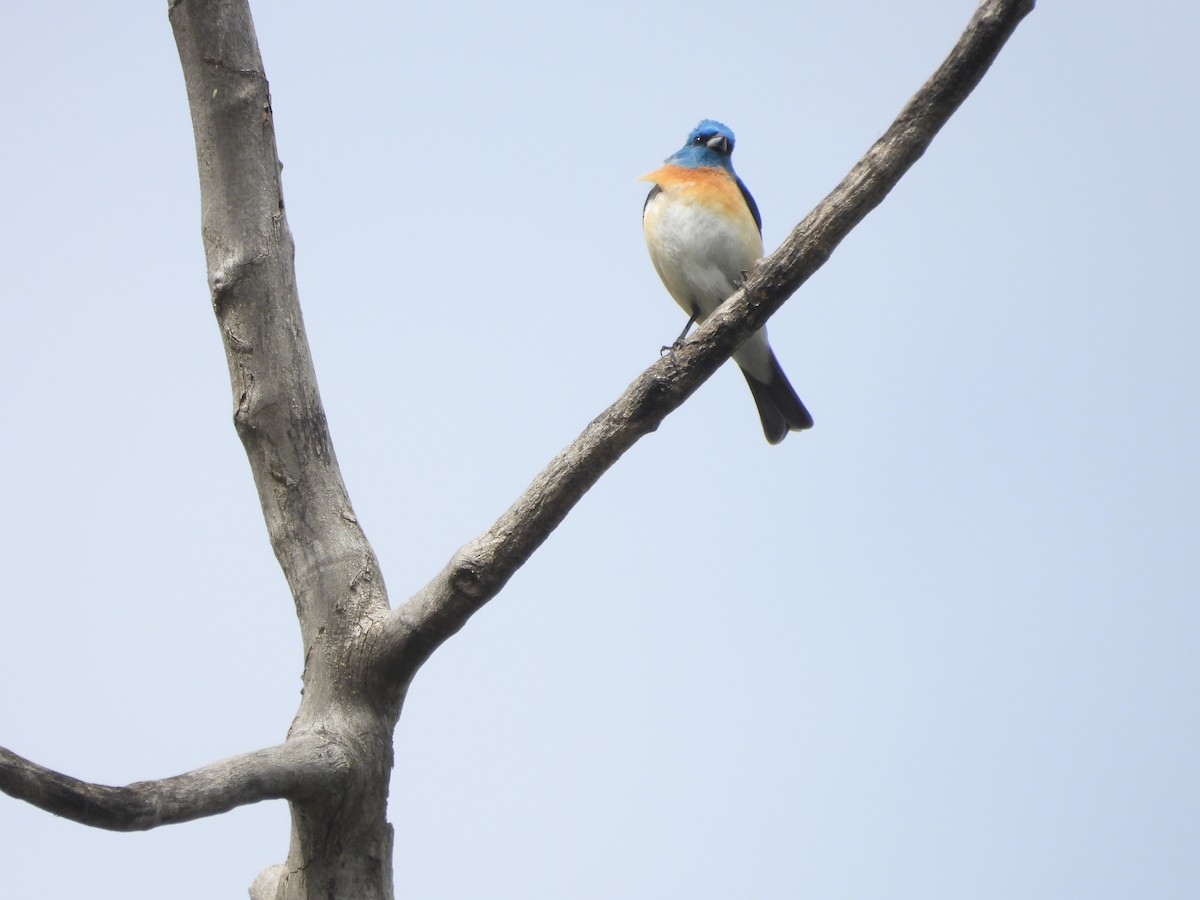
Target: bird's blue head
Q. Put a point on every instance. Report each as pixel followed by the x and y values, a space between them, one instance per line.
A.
pixel 709 144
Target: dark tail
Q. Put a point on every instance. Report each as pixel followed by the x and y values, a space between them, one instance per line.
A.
pixel 779 408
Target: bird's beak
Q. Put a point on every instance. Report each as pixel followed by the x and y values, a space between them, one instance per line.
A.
pixel 719 143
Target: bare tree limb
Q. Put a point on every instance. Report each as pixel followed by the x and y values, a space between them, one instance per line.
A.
pixel 480 568
pixel 330 567
pixel 341 842
pixel 292 770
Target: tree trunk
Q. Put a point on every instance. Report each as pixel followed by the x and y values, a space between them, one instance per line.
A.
pixel 341 840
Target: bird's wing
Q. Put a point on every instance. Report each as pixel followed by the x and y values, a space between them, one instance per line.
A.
pixel 750 203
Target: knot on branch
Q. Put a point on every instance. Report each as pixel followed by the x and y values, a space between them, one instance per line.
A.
pixel 467 575
pixel 229 274
pixel 267 883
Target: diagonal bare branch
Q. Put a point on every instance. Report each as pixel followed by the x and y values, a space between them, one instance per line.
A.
pixel 481 568
pixel 298 768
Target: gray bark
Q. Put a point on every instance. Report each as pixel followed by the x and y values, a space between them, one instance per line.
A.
pixel 302 767
pixel 359 654
pixel 341 840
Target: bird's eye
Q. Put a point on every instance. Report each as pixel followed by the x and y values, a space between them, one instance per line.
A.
pixel 698 140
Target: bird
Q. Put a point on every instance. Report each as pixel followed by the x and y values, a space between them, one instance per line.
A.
pixel 704 233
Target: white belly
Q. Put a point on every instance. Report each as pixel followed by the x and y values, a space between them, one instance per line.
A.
pixel 699 255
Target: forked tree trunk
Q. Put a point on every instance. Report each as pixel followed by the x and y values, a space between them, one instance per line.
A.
pixel 359 654
pixel 341 843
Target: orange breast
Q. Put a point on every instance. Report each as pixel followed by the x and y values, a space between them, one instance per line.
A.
pixel 709 186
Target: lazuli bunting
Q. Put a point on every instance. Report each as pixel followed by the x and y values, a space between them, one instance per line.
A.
pixel 704 233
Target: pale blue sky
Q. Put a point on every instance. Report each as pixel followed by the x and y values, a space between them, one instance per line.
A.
pixel 945 645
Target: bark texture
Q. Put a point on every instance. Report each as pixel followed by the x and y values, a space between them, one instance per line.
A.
pixel 341 841
pixel 359 654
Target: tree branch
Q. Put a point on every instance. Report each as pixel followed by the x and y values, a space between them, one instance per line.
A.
pixel 329 565
pixel 341 842
pixel 481 568
pixel 293 770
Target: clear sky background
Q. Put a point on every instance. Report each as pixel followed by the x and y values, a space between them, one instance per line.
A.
pixel 945 645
